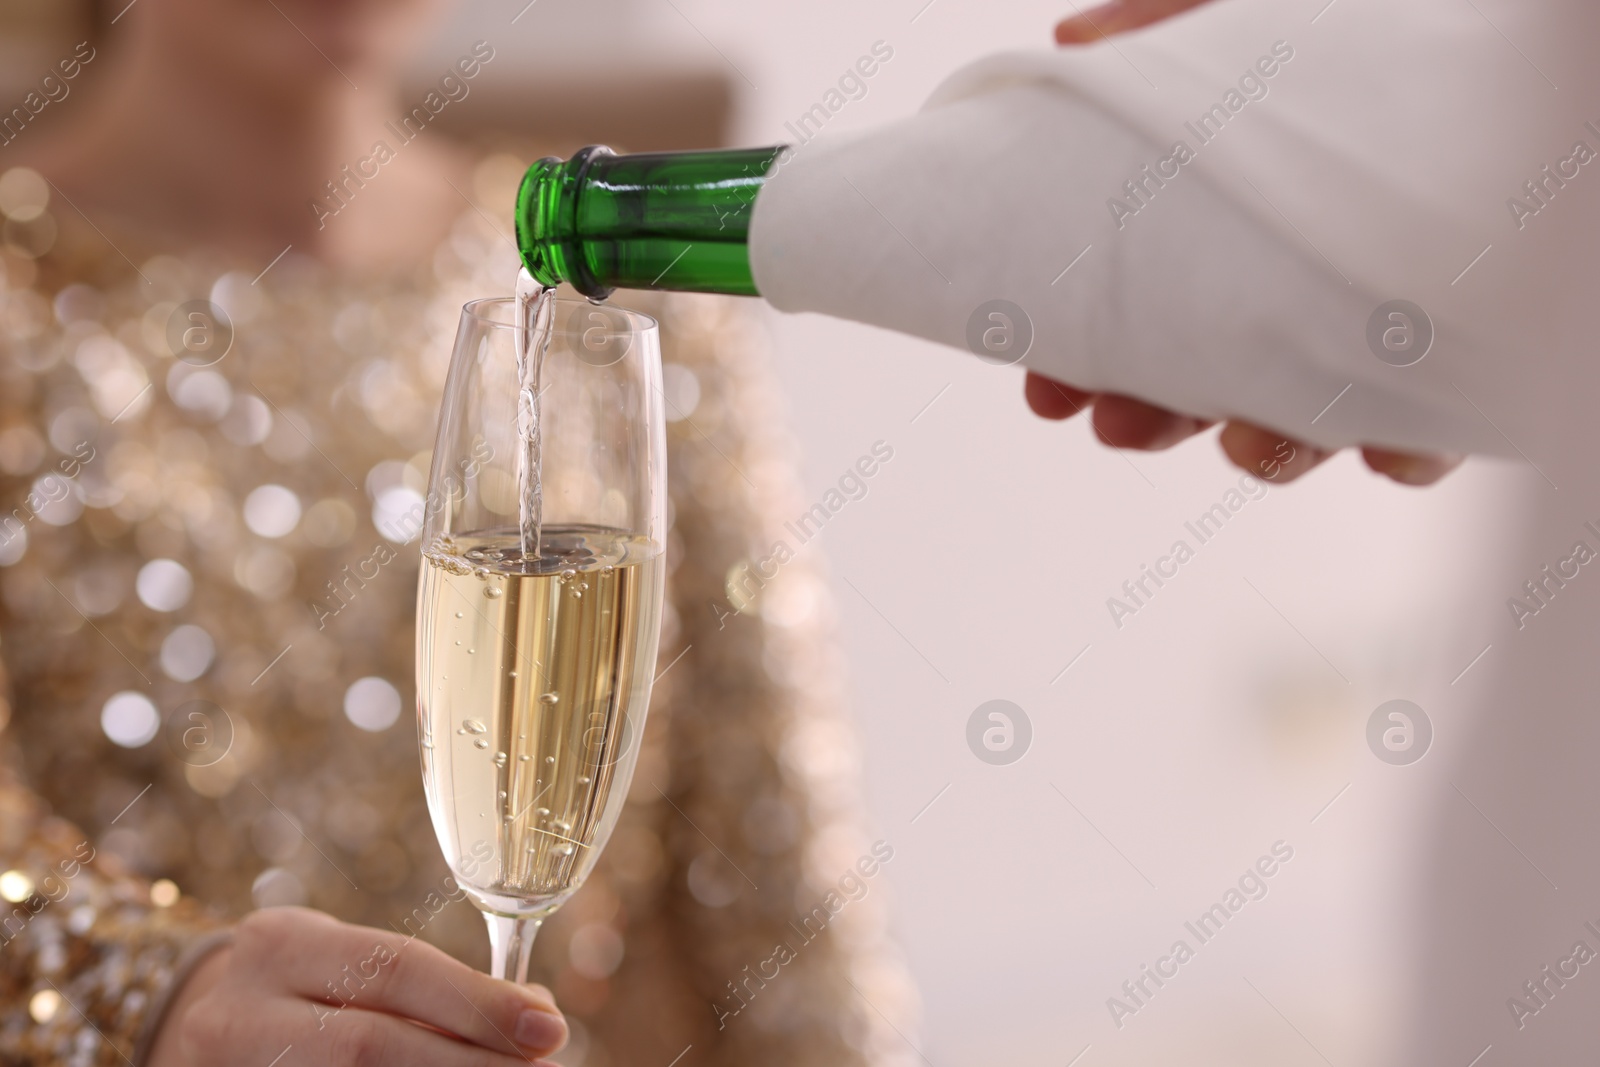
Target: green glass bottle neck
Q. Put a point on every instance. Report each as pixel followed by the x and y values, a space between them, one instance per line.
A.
pixel 661 220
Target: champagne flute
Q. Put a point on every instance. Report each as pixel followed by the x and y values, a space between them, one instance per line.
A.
pixel 534 670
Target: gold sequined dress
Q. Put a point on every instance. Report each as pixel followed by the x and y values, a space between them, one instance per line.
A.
pixel 202 714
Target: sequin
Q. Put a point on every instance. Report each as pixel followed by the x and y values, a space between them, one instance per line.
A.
pixel 129 719
pixel 595 951
pixel 203 393
pixel 15 886
pixel 712 880
pixel 681 387
pixel 372 704
pixel 271 510
pixel 248 420
pixel 13 542
pixel 72 426
pixel 98 589
pixel 164 585
pixel 55 500
pixel 397 514
pixel 187 653
pixel 43 1005
pixel 24 194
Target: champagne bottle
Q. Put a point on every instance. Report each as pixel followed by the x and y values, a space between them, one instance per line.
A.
pixel 660 220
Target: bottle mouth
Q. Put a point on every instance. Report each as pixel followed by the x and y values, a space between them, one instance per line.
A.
pixel 546 222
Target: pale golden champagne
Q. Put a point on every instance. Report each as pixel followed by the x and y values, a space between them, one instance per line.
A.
pixel 533 679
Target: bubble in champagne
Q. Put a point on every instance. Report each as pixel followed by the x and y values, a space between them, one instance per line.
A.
pixel 583 779
pixel 541 811
pixel 481 743
pixel 550 698
pixel 492 591
pixel 458 614
pixel 500 759
pixel 549 759
pixel 523 758
pixel 473 726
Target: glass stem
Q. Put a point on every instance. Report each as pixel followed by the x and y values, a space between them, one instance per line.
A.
pixel 510 941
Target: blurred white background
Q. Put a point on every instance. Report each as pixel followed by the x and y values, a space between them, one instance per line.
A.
pixel 1222 718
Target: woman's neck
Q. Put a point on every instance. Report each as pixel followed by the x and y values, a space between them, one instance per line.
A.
pixel 178 159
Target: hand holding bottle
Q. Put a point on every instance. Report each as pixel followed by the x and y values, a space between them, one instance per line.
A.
pixel 342 994
pixel 724 222
pixel 1124 422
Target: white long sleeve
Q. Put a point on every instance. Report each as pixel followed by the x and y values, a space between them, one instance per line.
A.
pixel 1375 163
